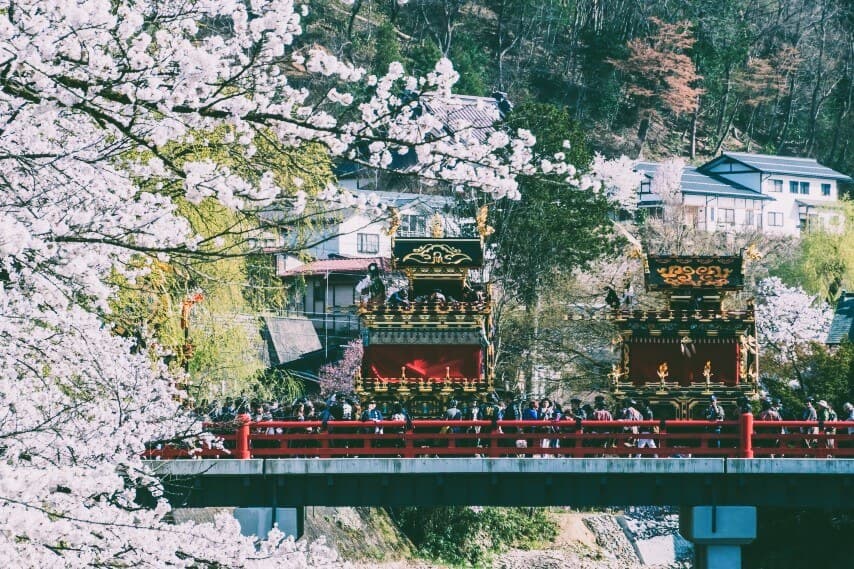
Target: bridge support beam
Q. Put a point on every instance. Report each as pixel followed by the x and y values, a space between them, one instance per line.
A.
pixel 718 532
pixel 259 521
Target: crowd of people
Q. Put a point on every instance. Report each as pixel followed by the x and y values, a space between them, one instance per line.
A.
pixel 574 417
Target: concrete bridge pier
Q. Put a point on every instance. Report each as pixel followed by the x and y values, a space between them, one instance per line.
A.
pixel 718 532
pixel 259 521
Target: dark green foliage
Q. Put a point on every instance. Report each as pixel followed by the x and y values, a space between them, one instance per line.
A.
pixel 792 539
pixel 423 57
pixel 823 374
pixel 467 536
pixel 554 228
pixel 830 375
pixel 471 60
pixel 387 48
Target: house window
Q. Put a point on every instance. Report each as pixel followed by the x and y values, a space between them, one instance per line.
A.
pixel 727 216
pixel 793 187
pixel 805 188
pixel 778 186
pixel 711 214
pixel 775 219
pixel 825 190
pixel 646 187
pixel 413 225
pixel 367 243
pixel 748 217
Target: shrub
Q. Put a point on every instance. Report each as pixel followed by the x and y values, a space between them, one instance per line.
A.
pixel 470 536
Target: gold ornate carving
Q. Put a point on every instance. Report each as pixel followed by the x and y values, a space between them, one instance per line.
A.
pixel 686 275
pixel 436 254
pixel 707 374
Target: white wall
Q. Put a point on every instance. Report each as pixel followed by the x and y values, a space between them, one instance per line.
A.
pixel 785 202
pixel 713 207
pixel 361 223
pixel 750 180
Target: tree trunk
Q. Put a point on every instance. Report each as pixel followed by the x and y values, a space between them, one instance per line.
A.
pixel 724 104
pixel 726 130
pixel 814 101
pixel 693 150
pixel 789 108
pixel 533 310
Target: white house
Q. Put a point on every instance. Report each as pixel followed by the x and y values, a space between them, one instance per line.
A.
pixel 341 259
pixel 778 195
pixel 710 203
pixel 360 234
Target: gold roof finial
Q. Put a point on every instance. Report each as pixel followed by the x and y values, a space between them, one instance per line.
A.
pixel 483 228
pixel 437 226
pixel 393 221
pixel 752 252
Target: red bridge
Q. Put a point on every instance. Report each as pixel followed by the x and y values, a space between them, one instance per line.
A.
pixel 745 438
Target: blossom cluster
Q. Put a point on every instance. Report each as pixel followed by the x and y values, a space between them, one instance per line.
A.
pixel 788 318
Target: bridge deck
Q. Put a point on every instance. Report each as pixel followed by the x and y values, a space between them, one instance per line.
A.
pixel 802 483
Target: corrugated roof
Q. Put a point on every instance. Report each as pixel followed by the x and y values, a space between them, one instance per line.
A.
pixel 697 183
pixel 290 338
pixel 354 265
pixel 807 167
pixel 842 325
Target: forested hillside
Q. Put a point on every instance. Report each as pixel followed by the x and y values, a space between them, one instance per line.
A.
pixel 668 77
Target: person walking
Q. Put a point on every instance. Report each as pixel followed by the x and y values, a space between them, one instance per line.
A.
pixel 714 412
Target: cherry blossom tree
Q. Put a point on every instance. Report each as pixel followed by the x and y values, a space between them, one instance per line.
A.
pixel 620 181
pixel 93 95
pixel 339 376
pixel 788 319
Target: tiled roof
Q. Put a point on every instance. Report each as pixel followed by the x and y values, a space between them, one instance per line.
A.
pixel 403 199
pixel 466 112
pixel 842 325
pixel 290 338
pixel 697 183
pixel 353 265
pixel 807 167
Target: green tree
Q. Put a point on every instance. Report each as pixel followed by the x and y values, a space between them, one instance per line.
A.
pixel 553 229
pixel 216 339
pixel 387 48
pixel 823 262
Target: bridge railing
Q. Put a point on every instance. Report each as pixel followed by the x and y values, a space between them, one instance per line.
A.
pixel 744 438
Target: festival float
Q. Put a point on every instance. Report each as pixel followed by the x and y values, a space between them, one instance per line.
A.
pixel 677 356
pixel 431 341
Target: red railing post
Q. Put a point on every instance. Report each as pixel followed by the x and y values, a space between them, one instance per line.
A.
pixel 241 449
pixel 745 430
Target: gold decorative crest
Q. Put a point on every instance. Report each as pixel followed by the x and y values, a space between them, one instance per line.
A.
pixel 685 275
pixel 437 254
